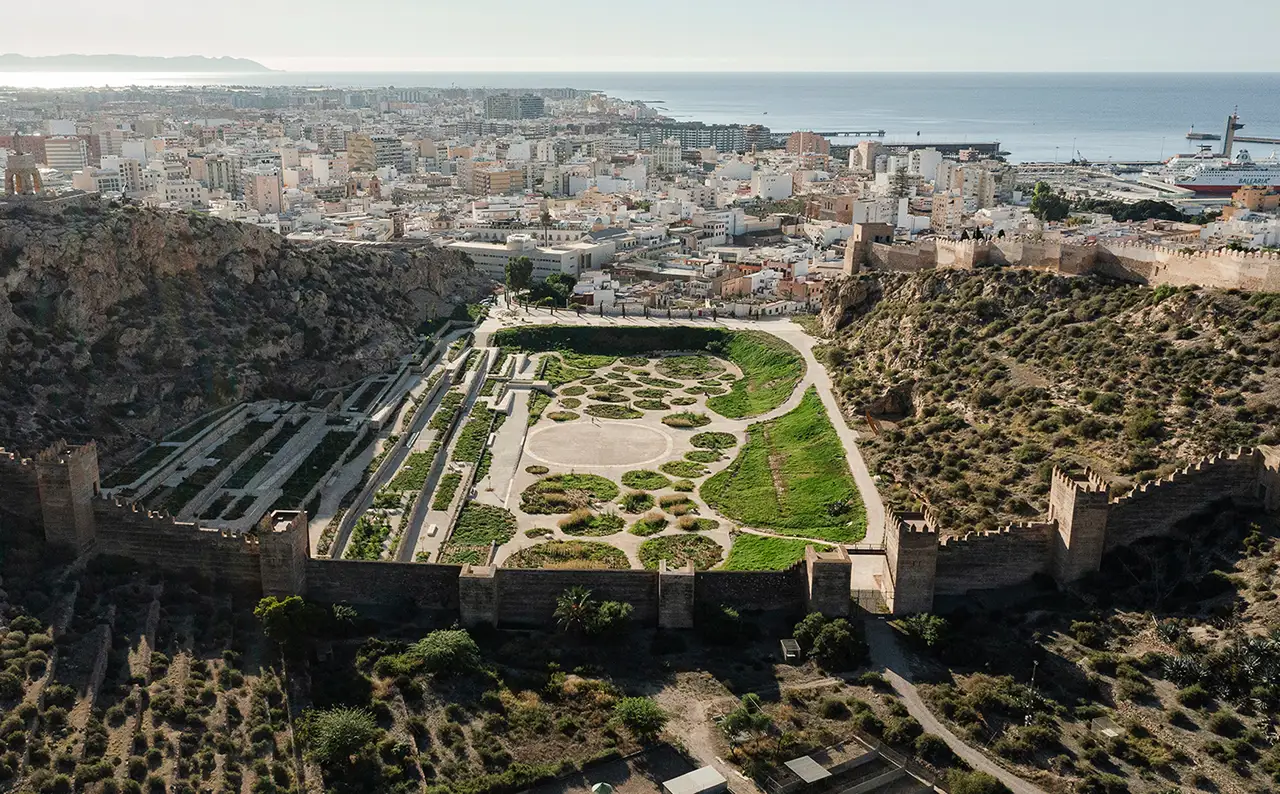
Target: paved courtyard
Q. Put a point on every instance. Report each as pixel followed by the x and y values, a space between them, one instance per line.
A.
pixel 599 443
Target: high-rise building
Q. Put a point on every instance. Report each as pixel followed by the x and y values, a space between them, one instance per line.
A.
pixel 510 106
pixel 261 186
pixel 368 152
pixel 66 153
pixel 807 142
pixel 948 211
pixel 978 186
pixel 531 106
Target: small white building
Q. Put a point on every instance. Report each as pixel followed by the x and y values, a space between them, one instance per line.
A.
pixel 771 187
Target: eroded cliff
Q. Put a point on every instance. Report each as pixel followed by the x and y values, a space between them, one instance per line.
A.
pixel 124 321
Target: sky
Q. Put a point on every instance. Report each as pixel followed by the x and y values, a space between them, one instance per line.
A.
pixel 670 35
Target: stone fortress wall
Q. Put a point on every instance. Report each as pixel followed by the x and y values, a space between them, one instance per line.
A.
pixel 1143 263
pixel 59 490
pixel 1084 522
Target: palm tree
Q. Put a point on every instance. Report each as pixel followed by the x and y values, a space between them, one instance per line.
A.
pixel 574 609
pixel 545 220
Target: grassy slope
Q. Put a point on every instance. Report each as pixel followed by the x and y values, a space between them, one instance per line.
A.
pixel 813 473
pixel 760 553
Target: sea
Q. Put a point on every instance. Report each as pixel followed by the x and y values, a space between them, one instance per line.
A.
pixel 1042 117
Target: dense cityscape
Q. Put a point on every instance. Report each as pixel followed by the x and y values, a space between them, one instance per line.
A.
pixel 680 213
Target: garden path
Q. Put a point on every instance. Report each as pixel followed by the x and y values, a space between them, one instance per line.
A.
pixel 887 654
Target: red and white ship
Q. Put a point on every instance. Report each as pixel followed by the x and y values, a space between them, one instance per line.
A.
pixel 1205 173
pixel 1223 176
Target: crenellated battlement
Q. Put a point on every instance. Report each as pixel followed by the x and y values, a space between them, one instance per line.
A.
pixel 931 520
pixel 1132 260
pixel 1245 455
pixel 1088 482
pixel 1083 522
pixel 920 563
pixel 62 453
pixel 1015 530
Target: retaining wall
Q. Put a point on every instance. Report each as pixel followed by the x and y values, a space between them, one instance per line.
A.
pixel 428 587
pixel 752 590
pixel 528 597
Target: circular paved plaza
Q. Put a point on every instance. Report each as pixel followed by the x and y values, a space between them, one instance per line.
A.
pixel 601 442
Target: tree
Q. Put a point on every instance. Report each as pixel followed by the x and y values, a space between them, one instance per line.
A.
pixel 643 717
pixel 544 220
pixel 961 782
pixel 749 718
pixel 924 629
pixel 1048 205
pixel 448 651
pixel 837 647
pixel 577 612
pixel 338 735
pixel 519 274
pixel 574 609
pixel 289 621
pixel 900 183
pixel 806 631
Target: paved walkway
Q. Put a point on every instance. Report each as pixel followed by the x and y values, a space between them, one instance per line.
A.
pixel 886 653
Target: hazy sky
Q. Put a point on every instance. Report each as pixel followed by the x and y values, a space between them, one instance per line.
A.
pixel 669 35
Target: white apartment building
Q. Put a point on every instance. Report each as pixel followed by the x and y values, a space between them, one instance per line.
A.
pixel 925 162
pixel 978 187
pixel 668 156
pixel 183 192
pixel 130 172
pixel 66 154
pixel 572 258
pixel 771 187
pixel 947 176
pixel 98 180
pixel 111 143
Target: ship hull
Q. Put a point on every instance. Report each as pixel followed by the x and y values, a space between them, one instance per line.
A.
pixel 1218 190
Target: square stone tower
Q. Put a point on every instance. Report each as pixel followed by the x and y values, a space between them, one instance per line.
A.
pixel 830 575
pixel 68 481
pixel 283 549
pixel 1080 506
pixel 910 562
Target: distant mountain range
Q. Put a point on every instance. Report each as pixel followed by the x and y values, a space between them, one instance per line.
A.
pixel 127 63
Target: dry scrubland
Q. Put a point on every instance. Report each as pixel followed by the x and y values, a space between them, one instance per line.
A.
pixel 1174 646
pixel 982 382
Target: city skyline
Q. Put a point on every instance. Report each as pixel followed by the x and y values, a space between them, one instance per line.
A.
pixel 723 36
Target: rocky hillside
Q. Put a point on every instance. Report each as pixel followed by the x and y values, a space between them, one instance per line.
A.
pixel 115 322
pixel 981 382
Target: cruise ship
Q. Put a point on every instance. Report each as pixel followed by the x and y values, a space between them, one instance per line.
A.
pixel 1219 175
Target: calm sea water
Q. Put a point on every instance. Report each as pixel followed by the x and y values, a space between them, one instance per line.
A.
pixel 1035 116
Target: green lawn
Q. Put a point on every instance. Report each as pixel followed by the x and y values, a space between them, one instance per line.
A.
pixel 771 368
pixel 760 553
pixel 413 474
pixel 480 523
pixel 813 479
